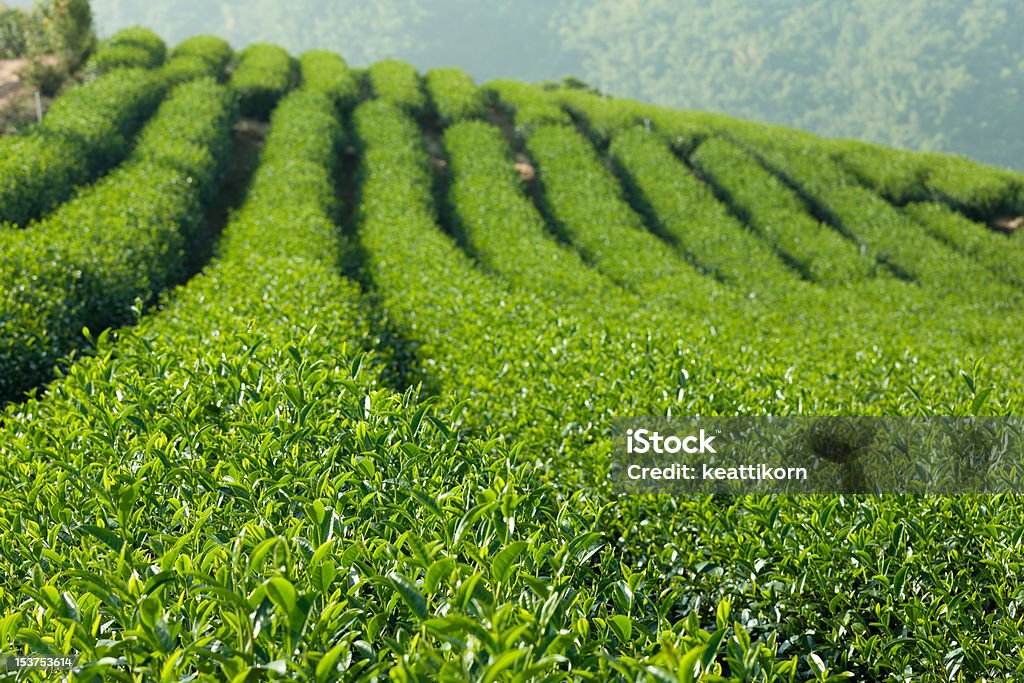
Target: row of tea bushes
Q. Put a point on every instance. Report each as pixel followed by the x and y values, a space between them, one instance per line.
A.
pixel 687 214
pixel 1002 255
pixel 216 52
pixel 123 240
pixel 499 353
pixel 273 325
pixel 878 227
pixel 530 108
pixel 779 215
pixel 502 224
pixel 326 72
pixel 197 57
pixel 87 131
pixel 398 83
pixel 90 129
pixel 265 73
pixel 978 191
pixel 134 47
pixel 454 95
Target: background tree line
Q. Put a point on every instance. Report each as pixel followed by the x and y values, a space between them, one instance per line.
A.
pixel 55 35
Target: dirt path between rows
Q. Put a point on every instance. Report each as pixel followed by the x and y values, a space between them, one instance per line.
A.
pixel 10 83
pixel 17 106
pixel 1008 224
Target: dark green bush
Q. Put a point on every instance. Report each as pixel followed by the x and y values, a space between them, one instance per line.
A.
pixel 213 50
pixel 131 47
pixel 125 238
pixel 62 28
pixel 779 215
pixel 14 25
pixel 192 134
pixel 454 95
pixel 689 215
pixel 264 75
pixel 69 26
pixel 531 106
pixel 197 57
pixel 398 82
pixel 85 132
pixel 326 72
pixel 45 77
pixel 184 69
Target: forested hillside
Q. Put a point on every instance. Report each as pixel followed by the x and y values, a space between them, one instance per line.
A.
pixel 924 74
pixel 934 74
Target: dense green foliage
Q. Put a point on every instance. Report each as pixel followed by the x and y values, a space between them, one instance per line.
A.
pixel 134 47
pixel 326 72
pixel 687 213
pixel 265 73
pixel 91 128
pixel 211 49
pixel 122 240
pixel 899 176
pixel 13 28
pixel 454 95
pixel 63 28
pixel 372 441
pixel 778 214
pixel 398 83
pixel 878 227
pixel 68 31
pixel 186 68
pixel 86 131
pixel 257 305
pixel 529 110
pixel 191 136
pixel 547 374
pixel 1003 257
pixel 903 177
pixel 502 225
pixel 197 57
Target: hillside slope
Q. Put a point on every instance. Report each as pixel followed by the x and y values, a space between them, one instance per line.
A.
pixel 928 74
pixel 367 434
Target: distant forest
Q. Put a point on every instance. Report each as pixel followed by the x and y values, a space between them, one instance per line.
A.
pixel 922 74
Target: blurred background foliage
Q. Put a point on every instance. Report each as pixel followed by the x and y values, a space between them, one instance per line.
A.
pixel 56 36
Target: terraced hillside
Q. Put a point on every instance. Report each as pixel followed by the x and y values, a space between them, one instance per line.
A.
pixel 310 374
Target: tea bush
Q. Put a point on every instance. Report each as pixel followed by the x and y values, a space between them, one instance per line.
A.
pixel 213 50
pixel 86 131
pixel 125 238
pixel 327 72
pixel 454 95
pixel 779 215
pixel 134 47
pixel 265 73
pixel 397 82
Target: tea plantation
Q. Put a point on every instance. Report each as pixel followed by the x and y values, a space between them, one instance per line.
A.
pixel 369 437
